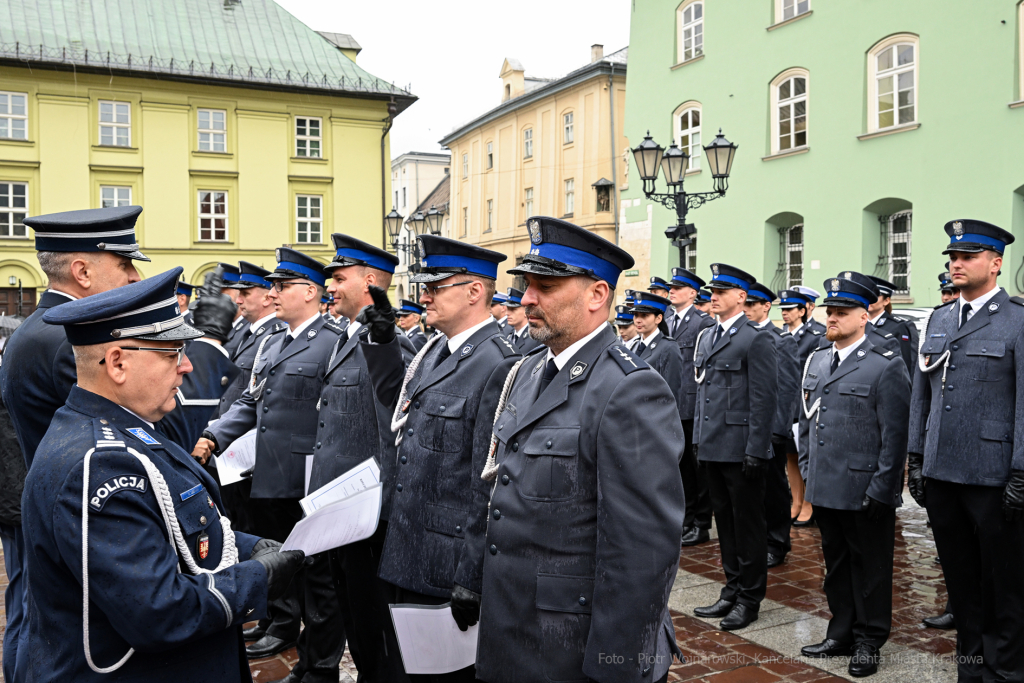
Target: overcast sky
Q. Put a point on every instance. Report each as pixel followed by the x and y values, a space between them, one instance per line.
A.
pixel 450 51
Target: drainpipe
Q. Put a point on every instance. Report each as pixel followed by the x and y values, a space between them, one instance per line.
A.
pixel 392 111
pixel 615 174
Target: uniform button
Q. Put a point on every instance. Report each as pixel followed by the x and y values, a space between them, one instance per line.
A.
pixel 202 520
pixel 726 365
pixel 952 367
pixel 263 428
pixel 269 392
pixel 984 350
pixel 949 408
pixel 318 444
pixel 515 447
pixel 266 409
pixel 399 487
pixel 505 480
pixel 416 405
pixel 442 409
pixel 821 443
pixel 344 378
pixel 272 373
pixel 547 445
pixel 493 549
pixel 583 600
pixel 824 409
pixel 496 514
pixel 501 427
pixel 707 400
pixel 821 426
pixel 646 671
pixel 321 423
pixel 955 347
pixel 299 370
pixel 325 402
pixel 408 432
pixel 458 529
pixel 403 459
pixel 706 418
pixel 826 391
pixel 949 387
pixel 223 381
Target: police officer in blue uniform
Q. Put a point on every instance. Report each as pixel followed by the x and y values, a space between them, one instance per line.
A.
pixel 137 574
pixel 812 296
pixel 409 314
pixel 443 412
pixel 658 286
pixel 184 293
pixel 583 536
pixel 518 328
pixel 280 403
pixel 649 318
pixel 854 412
pixel 685 321
pixel 795 313
pixel 737 372
pixel 884 335
pixel 703 301
pixel 966 462
pixel 499 311
pixel 624 327
pixel 776 492
pixel 883 319
pixel 230 275
pixel 947 289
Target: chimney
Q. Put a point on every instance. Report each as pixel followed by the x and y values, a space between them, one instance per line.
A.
pixel 596 53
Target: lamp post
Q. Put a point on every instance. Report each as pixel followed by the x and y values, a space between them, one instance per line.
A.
pixel 651 158
pixel 419 223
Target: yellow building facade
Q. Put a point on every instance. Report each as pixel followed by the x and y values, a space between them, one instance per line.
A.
pixel 552 147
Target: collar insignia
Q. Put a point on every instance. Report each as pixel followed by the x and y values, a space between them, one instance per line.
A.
pixel 835 284
pixel 260 331
pixel 958 229
pixel 466 349
pixel 732 331
pixel 577 370
pixel 310 334
pixel 993 307
pixel 142 436
pixel 860 354
pixel 535 236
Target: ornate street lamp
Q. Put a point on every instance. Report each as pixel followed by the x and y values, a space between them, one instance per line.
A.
pixel 393 222
pixel 434 219
pixel 417 223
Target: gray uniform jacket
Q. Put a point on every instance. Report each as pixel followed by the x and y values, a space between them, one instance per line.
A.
pixel 855 443
pixel 244 357
pixel 808 339
pixel 737 394
pixel 583 535
pixel 439 510
pixel 236 335
pixel 899 335
pixel 524 344
pixel 283 410
pixel 663 355
pixel 416 336
pixel 786 356
pixel 967 412
pixel 686 336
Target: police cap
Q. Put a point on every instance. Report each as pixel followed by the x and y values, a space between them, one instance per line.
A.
pixel 353 252
pixel 724 276
pixel 790 298
pixel 559 248
pixel 294 264
pixel 865 281
pixel 650 303
pixel 442 258
pixel 681 277
pixel 760 293
pixel 971 236
pixel 623 316
pixel 515 298
pixel 658 283
pixel 847 292
pixel 250 275
pixel 407 307
pixel 108 229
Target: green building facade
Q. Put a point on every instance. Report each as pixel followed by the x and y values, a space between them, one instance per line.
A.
pixel 863 127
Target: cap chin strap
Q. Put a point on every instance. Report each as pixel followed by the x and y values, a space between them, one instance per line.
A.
pixel 126 248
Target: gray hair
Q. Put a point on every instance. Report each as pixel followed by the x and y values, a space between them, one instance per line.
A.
pixel 55 265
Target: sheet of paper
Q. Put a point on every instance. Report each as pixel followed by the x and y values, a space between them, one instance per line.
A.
pixel 337 524
pixel 430 640
pixel 309 471
pixel 362 476
pixel 237 458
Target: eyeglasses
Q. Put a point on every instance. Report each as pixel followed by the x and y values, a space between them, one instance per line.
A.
pixel 432 289
pixel 279 286
pixel 180 350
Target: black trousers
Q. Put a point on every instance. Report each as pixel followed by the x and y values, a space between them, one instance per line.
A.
pixel 983 561
pixel 777 500
pixel 467 675
pixel 365 601
pixel 858 578
pixel 310 599
pixel 738 503
pixel 695 485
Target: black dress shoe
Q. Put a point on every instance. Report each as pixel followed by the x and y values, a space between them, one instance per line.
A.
pixel 719 609
pixel 944 621
pixel 864 661
pixel 808 522
pixel 775 560
pixel 290 678
pixel 741 616
pixel 254 633
pixel 267 646
pixel 695 536
pixel 827 648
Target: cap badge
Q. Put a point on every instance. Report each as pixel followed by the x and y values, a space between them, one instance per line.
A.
pixel 577 370
pixel 848 275
pixel 277 255
pixel 177 311
pixel 310 334
pixel 714 270
pixel 466 349
pixel 535 236
pixel 835 284
pixel 958 229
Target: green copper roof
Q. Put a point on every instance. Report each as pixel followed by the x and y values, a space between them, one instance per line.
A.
pixel 249 42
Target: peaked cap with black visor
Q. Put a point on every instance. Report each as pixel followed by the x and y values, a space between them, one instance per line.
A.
pixel 89 230
pixel 353 252
pixel 561 249
pixel 250 275
pixel 971 236
pixel 848 292
pixel 441 258
pixel 293 265
pixel 724 276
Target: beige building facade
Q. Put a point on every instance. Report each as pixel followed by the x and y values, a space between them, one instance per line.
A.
pixel 553 147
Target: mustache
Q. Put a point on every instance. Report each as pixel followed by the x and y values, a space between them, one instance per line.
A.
pixel 534 312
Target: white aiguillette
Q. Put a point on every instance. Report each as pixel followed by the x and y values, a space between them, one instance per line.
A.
pixel 430 640
pixel 343 511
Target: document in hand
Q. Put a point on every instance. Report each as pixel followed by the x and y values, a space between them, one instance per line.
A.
pixel 362 476
pixel 237 458
pixel 332 526
pixel 430 640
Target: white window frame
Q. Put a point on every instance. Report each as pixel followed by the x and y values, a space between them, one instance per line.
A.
pixel 490 215
pixel 114 125
pixel 889 239
pixel 874 76
pixel 119 195
pixel 211 137
pixel 528 143
pixel 304 142
pixel 528 201
pixel 790 9
pixel 692 145
pixel 568 128
pixel 212 215
pixel 787 248
pixel 490 155
pixel 465 165
pixel 689 28
pixel 777 103
pixel 465 221
pixel 8 117
pixel 314 203
pixel 570 196
pixel 8 211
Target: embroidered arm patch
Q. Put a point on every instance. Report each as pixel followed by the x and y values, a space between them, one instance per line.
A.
pixel 114 485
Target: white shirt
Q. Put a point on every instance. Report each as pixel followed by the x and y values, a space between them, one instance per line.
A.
pixel 793 332
pixel 977 304
pixel 726 325
pixel 134 413
pixel 845 353
pixel 301 328
pixel 503 321
pixel 874 321
pixel 462 337
pixel 352 328
pixel 262 321
pixel 682 314
pixel 574 348
pixel 73 298
pixel 761 325
pixel 647 339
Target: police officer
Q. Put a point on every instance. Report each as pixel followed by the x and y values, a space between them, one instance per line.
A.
pixel 796 315
pixel 624 327
pixel 230 275
pixel 777 498
pixel 409 315
pixel 583 536
pixel 184 293
pixel 685 322
pixel 883 334
pixel 966 462
pixel 658 286
pixel 812 297
pixel 518 329
pixel 703 301
pixel 737 372
pixel 853 440
pixel 280 403
pixel 443 412
pixel 947 289
pixel 106 491
pixel 666 359
pixel 881 315
pixel 633 337
pixel 499 311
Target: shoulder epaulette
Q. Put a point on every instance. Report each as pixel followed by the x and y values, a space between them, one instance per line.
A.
pixel 627 360
pixel 333 327
pixel 815 332
pixel 106 435
pixel 887 335
pixel 507 350
pixel 1015 299
pixel 886 353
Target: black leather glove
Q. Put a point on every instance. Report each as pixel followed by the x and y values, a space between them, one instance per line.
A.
pixel 207 434
pixel 280 566
pixel 1013 497
pixel 379 318
pixel 465 607
pixel 246 474
pixel 915 477
pixel 874 509
pixel 215 311
pixel 754 468
pixel 778 440
pixel 694 448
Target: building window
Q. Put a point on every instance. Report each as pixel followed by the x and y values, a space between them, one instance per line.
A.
pixel 893 70
pixel 791 257
pixel 529 202
pixel 14 115
pixel 687 133
pixel 490 215
pixel 213 216
pixel 787 9
pixel 396 204
pixel 490 155
pixel 115 124
pixel 307 137
pixel 211 130
pixel 115 196
pixel 690 255
pixel 567 126
pixel 570 196
pixel 894 260
pixel 308 218
pixel 528 143
pixel 691 31
pixel 13 207
pixel 465 165
pixel 465 221
pixel 789 92
pixel 405 197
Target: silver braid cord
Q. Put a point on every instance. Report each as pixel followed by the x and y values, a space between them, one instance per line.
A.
pixel 940 362
pixel 256 391
pixel 696 346
pixel 491 466
pixel 400 416
pixel 803 400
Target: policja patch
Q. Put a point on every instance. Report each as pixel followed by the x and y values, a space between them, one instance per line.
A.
pixel 126 482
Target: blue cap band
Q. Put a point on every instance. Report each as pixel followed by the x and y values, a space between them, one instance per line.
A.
pixel 229 277
pixel 255 279
pixel 647 303
pixel 477 266
pixel 186 290
pixel 798 302
pixel 847 295
pixel 979 239
pixel 604 270
pixel 759 295
pixel 404 309
pixel 658 285
pixel 304 270
pixel 371 260
pixel 742 284
pixel 685 281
